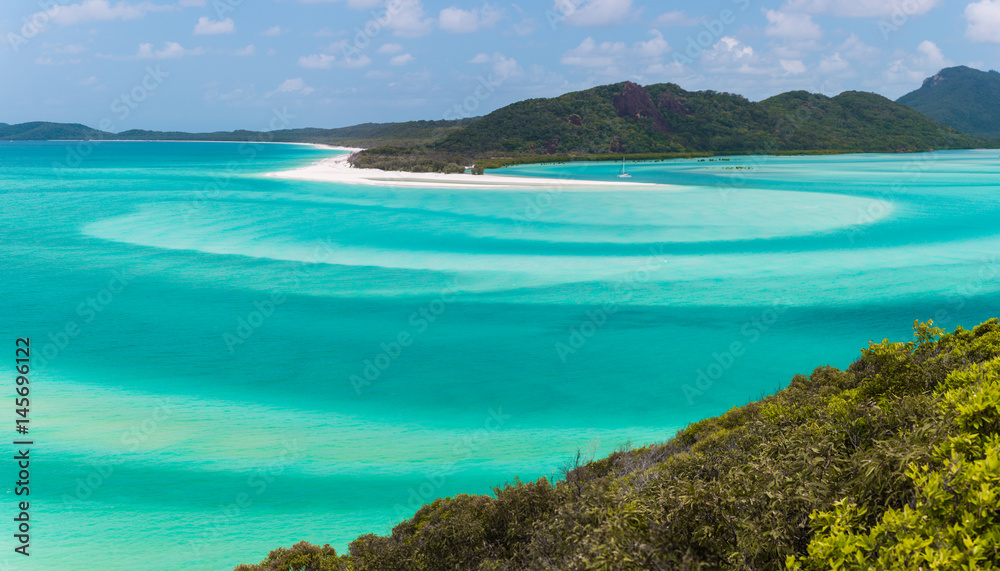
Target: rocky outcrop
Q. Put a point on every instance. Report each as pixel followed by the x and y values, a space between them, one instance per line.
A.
pixel 634 102
pixel 670 103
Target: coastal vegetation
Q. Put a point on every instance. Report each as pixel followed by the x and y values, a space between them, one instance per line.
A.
pixel 893 463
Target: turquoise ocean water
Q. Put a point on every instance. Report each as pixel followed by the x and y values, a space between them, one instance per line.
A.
pixel 224 363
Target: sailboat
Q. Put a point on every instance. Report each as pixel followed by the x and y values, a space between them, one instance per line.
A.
pixel 624 174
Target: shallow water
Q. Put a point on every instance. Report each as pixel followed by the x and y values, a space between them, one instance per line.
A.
pixel 259 361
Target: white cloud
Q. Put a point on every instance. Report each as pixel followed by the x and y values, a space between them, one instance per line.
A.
pixel 390 49
pixel 459 21
pixel 354 62
pixel 317 61
pixel 914 68
pixel 854 48
pixel 654 47
pixel 45 60
pixel 984 21
pixel 207 26
pixel 247 51
pixel 592 54
pixel 296 85
pixel 329 61
pixel 92 80
pixel 355 4
pixel 401 59
pixel 188 3
pixel 793 66
pixel 833 64
pixel 593 12
pixel 860 8
pixel 93 11
pixel 503 66
pixel 272 31
pixel 409 20
pixel 612 55
pixel 729 48
pixel 675 18
pixel 791 26
pixel 170 50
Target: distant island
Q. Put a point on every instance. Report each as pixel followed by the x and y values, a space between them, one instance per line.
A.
pixel 891 464
pixel 958 108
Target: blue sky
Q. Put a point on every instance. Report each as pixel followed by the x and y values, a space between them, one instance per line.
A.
pixel 199 65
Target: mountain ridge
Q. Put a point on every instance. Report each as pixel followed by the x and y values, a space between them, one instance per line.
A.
pixel 962 97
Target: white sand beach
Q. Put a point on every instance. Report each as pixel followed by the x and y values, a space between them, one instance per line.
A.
pixel 338 169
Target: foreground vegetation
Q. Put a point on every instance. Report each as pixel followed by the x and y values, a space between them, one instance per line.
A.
pixel 891 464
pixel 667 121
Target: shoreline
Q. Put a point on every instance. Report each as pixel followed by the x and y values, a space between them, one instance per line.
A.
pixel 316 145
pixel 338 170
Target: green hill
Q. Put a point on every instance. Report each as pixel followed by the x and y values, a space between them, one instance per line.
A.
pixel 365 135
pixel 41 131
pixel 891 464
pixel 626 118
pixel 961 97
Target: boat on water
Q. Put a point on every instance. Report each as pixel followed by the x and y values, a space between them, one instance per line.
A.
pixel 624 174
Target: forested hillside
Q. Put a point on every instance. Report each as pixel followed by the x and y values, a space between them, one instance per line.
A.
pixel 964 98
pixel 628 119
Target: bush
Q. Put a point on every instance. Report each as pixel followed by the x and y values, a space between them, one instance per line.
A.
pixel 892 464
pixel 303 556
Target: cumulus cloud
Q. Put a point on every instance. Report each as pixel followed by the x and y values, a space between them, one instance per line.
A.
pixel 93 11
pixel 170 50
pixel 729 48
pixel 503 66
pixel 984 21
pixel 390 49
pixel 329 61
pixel 317 61
pixel 914 68
pixel 459 21
pixel 833 64
pixel 791 26
pixel 856 49
pixel 355 4
pixel 792 66
pixel 207 27
pixel 273 31
pixel 860 8
pixel 615 55
pixel 401 59
pixel 296 85
pixel 588 13
pixel 675 18
pixel 247 51
pixel 409 20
